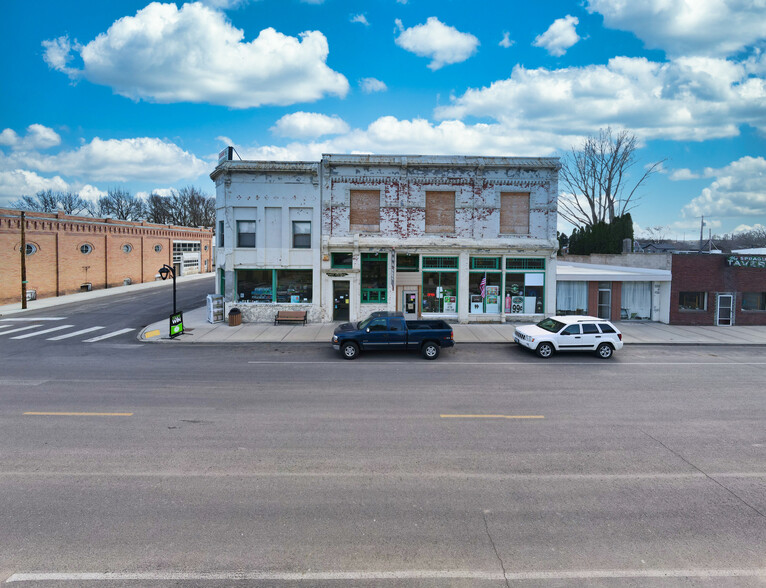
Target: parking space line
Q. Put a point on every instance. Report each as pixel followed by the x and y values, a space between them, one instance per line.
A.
pixel 78 414
pixel 59 328
pixel 491 416
pixel 82 332
pixel 108 335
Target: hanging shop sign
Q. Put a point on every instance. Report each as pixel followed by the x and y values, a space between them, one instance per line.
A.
pixel 757 261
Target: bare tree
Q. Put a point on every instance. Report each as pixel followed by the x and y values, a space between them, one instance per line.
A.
pixel 121 205
pixel 189 207
pixel 657 233
pixel 597 175
pixel 50 201
pixel 156 208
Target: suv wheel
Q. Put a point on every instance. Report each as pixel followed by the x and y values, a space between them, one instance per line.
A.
pixel 430 350
pixel 604 351
pixel 350 351
pixel 545 350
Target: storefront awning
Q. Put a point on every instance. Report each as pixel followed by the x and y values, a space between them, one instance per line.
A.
pixel 591 272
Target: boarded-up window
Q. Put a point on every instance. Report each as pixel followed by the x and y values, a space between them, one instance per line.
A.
pixel 514 213
pixel 365 211
pixel 440 212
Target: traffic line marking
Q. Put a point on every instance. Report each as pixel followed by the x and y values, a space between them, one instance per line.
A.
pixel 59 328
pixel 82 332
pixel 41 318
pixel 108 335
pixel 491 416
pixel 153 333
pixel 78 413
pixel 391 575
pixel 19 329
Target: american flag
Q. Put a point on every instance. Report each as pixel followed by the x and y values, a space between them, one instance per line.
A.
pixel 483 286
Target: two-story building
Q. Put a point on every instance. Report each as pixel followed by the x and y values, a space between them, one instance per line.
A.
pixel 461 238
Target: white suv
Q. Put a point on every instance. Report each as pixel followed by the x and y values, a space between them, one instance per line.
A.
pixel 570 333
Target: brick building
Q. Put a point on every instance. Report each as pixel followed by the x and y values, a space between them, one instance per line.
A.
pixel 718 289
pixel 67 254
pixel 461 238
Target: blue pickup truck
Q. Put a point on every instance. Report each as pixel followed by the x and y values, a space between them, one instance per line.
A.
pixel 389 330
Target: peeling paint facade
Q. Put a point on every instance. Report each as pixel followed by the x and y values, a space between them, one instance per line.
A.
pixel 417 234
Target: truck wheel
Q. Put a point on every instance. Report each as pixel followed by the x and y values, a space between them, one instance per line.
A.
pixel 544 350
pixel 604 351
pixel 350 351
pixel 430 350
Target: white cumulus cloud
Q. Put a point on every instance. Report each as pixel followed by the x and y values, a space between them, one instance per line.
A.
pixel 687 99
pixel 506 40
pixel 370 85
pixel 361 19
pixel 37 137
pixel 688 27
pixel 560 36
pixel 739 189
pixel 443 44
pixel 20 182
pixel 194 54
pixel 682 174
pixel 309 125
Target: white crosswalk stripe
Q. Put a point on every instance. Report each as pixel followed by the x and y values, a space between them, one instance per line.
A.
pixel 44 318
pixel 82 332
pixel 108 335
pixel 20 329
pixel 37 333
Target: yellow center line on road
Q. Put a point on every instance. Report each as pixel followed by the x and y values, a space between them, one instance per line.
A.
pixel 78 414
pixel 491 416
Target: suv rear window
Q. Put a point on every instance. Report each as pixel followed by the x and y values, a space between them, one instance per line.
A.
pixel 588 328
pixel 606 328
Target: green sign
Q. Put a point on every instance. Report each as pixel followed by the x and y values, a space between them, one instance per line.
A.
pixel 758 261
pixel 176 324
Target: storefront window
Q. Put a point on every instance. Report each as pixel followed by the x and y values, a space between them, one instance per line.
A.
pixel 440 292
pixel 294 286
pixel 491 302
pixel 636 302
pixel 266 285
pixel 754 301
pixel 341 260
pixel 692 300
pixel 571 298
pixel 374 274
pixel 254 285
pixel 407 263
pixel 524 293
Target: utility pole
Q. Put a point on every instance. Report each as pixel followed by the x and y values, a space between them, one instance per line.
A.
pixel 23 249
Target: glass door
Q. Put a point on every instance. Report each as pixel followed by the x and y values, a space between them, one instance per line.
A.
pixel 605 300
pixel 725 303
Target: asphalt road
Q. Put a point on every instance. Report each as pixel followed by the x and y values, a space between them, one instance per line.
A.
pixel 285 465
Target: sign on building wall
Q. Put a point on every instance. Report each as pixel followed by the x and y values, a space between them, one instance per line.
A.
pixel 746 261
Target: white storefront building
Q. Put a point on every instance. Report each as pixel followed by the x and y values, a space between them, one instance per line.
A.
pixel 462 238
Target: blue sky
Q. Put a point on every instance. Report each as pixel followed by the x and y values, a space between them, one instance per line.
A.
pixel 143 95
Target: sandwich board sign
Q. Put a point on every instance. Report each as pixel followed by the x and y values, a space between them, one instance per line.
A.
pixel 176 324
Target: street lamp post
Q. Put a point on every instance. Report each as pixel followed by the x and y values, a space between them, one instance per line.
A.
pixel 177 318
pixel 166 270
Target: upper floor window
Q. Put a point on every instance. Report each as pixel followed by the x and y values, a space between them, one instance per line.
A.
pixel 440 212
pixel 514 213
pixel 364 213
pixel 245 233
pixel 406 262
pixel 86 248
pixel 302 234
pixel 220 233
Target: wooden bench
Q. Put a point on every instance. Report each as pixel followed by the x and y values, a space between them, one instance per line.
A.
pixel 290 316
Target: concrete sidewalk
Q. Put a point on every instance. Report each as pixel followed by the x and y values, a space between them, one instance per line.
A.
pixel 198 330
